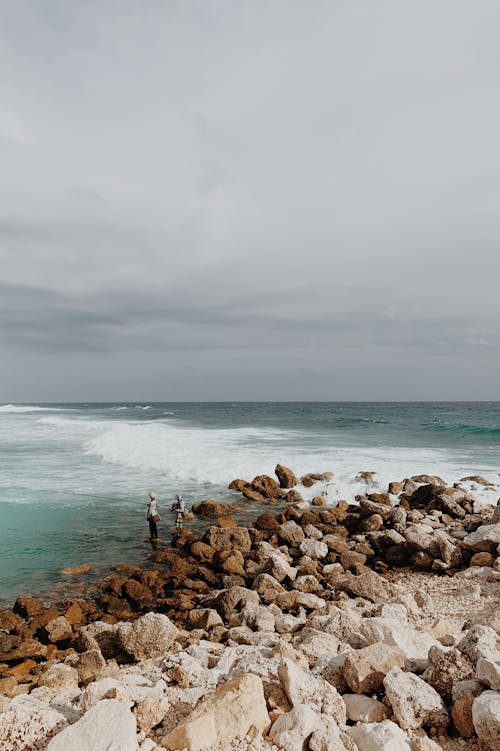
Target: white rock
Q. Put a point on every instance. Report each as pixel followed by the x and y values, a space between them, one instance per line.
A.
pixel 479 641
pixel 59 677
pixel 365 709
pixel 313 548
pixel 286 623
pixel 291 730
pixel 484 539
pixel 152 635
pixel 327 737
pixel 414 703
pixel 96 691
pixel 415 645
pixel 108 726
pixel 379 736
pixel 316 644
pixel 488 672
pixel 302 687
pixel 27 722
pixel 228 713
pixel 486 719
pixel 278 566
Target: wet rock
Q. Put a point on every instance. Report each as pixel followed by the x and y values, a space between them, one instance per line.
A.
pixel 287 478
pixel 230 712
pixel 313 477
pixel 486 719
pixel 82 568
pixel 238 485
pixel 366 668
pixel 108 726
pixel 414 703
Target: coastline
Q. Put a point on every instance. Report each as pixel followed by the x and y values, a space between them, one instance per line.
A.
pixel 423 553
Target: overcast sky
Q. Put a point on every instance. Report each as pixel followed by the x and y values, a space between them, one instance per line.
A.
pixel 249 200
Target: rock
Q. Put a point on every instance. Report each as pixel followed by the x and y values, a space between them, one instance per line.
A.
pixel 463 694
pixel 230 712
pixel 479 641
pixel 88 665
pixel 369 585
pixel 152 635
pixel 278 566
pixel 266 486
pixel 366 477
pixel 238 485
pixel 486 719
pixel 108 726
pixel 26 649
pixel 365 709
pixel 291 730
pixel 482 559
pixel 365 669
pixel 379 736
pixel 287 623
pixel 488 672
pixel 267 522
pixel 150 712
pixel 60 677
pixel 286 477
pixel 313 477
pixel 316 644
pixel 414 703
pixel 27 724
pixel 485 539
pixel 487 617
pixel 415 645
pixel 313 548
pixel 449 668
pixel 233 538
pixel 293 600
pixel 253 495
pixel 291 533
pixel 82 568
pixel 235 598
pixel 27 606
pixel 205 618
pixel 58 630
pixel 424 743
pixel 328 737
pixel 9 621
pixel 302 687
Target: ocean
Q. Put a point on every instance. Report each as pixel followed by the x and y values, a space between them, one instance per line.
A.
pixel 74 477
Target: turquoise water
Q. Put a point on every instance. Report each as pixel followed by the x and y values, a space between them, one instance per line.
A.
pixel 55 460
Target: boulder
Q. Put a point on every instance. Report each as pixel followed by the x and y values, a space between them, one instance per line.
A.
pixel 313 548
pixel 379 736
pixel 484 539
pixel 369 585
pixel 88 665
pixel 27 724
pixel 479 641
pixel 446 670
pixel 205 618
pixel 235 598
pixel 415 645
pixel 486 719
pixel 292 729
pixel 59 677
pixel 9 621
pixel 366 668
pixel 108 726
pixel 488 671
pixel 27 606
pixel 229 713
pixel 266 486
pixel 302 687
pixel 463 695
pixel 291 533
pixel 232 538
pixel 365 709
pixel 414 703
pixel 152 635
pixel 316 644
pixel 287 479
pixel 150 711
pixel 58 630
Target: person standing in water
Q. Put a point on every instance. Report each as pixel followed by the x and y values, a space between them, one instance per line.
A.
pixel 179 508
pixel 153 516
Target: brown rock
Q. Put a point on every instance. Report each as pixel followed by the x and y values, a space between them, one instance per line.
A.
pixel 27 648
pixel 234 564
pixel 464 693
pixel 266 486
pixel 253 495
pixel 22 671
pixel 313 477
pixel 88 664
pixel 138 594
pixel 449 668
pixel 58 630
pixel 287 478
pixel 350 559
pixel 293 496
pixel 234 538
pixel 238 485
pixel 211 508
pixel 369 585
pixel 318 500
pixel 267 522
pixel 395 488
pixel 226 521
pixel 366 668
pixel 9 621
pixel 27 606
pixel 203 552
pixel 482 559
pixel 74 614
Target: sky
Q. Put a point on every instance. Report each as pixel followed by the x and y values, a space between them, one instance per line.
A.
pixel 259 200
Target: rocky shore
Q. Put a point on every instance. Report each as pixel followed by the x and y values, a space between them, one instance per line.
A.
pixel 361 627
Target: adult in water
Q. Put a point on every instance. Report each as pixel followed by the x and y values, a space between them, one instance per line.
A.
pixel 179 508
pixel 153 516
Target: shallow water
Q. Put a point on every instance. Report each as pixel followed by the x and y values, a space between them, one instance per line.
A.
pixel 55 460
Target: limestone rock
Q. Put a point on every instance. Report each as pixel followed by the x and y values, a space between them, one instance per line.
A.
pixel 302 687
pixel 365 709
pixel 108 726
pixel 449 668
pixel 27 723
pixel 479 641
pixel 60 677
pixel 315 644
pixel 366 668
pixel 228 713
pixel 152 635
pixel 413 701
pixel 205 618
pixel 150 712
pixel 313 548
pixel 484 539
pixel 379 736
pixel 292 729
pixel 369 585
pixel 415 645
pixel 488 672
pixel 486 719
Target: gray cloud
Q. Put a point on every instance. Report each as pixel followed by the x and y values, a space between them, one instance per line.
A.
pixel 258 200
